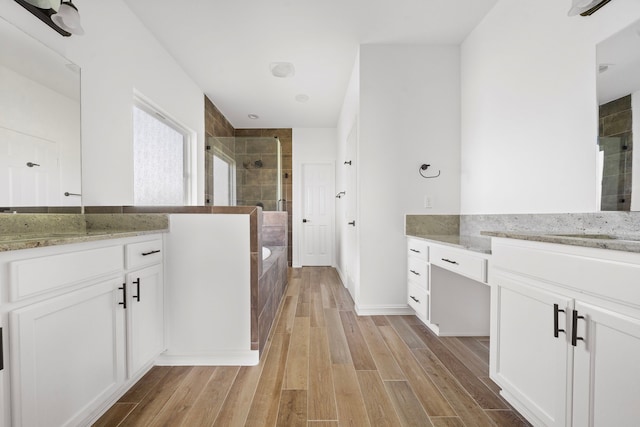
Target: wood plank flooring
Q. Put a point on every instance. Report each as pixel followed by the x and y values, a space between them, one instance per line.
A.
pixel 325 366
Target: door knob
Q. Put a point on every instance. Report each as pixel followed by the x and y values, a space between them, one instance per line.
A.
pixel 305 220
pixel 352 223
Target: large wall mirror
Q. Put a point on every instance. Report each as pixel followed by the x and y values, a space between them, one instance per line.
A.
pixel 39 124
pixel 618 60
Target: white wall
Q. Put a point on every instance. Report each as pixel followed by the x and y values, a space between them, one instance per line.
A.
pixel 409 114
pixel 529 108
pixel 310 145
pixel 117 56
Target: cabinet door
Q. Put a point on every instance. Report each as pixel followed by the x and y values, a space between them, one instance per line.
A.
pixel 527 360
pixel 67 355
pixel 606 374
pixel 145 312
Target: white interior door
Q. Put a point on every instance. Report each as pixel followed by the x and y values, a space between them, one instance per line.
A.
pixel 317 213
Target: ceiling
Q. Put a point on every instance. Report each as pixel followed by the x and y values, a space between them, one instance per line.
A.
pixel 227 47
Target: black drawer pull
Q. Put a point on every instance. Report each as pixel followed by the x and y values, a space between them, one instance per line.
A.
pixel 415 299
pixel 151 253
pixel 449 261
pixel 556 329
pixel 415 250
pixel 124 296
pixel 415 272
pixel 574 330
pixel 137 283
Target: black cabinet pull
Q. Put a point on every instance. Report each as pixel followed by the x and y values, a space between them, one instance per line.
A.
pixel 574 329
pixel 137 283
pixel 557 330
pixel 449 261
pixel 150 253
pixel 124 296
pixel 415 272
pixel 1 351
pixel 415 250
pixel 415 299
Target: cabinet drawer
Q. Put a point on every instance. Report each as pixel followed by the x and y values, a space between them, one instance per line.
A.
pixel 35 276
pixel 418 299
pixel 144 253
pixel 418 248
pixel 418 272
pixel 460 262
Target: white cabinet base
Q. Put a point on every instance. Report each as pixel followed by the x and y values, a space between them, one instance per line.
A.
pixel 58 379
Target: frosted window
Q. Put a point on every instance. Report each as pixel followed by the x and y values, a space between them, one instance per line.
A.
pixel 223 172
pixel 159 164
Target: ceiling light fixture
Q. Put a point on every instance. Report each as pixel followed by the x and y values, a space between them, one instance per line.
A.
pixel 586 7
pixel 282 69
pixel 302 97
pixel 62 17
pixel 68 18
pixel 253 116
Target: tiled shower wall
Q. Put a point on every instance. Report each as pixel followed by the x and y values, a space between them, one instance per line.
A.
pixel 257 172
pixel 616 123
pixel 286 141
pixel 216 125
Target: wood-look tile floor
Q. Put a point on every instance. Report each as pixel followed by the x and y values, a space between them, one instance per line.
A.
pixel 325 366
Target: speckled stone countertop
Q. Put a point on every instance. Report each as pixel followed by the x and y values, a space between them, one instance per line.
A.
pixel 27 231
pixel 627 243
pixel 479 244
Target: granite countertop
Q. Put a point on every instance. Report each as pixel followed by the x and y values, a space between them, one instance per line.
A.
pixel 27 231
pixel 15 242
pixel 481 244
pixel 627 243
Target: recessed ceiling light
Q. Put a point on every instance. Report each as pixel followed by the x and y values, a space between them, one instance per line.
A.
pixel 301 97
pixel 253 116
pixel 282 69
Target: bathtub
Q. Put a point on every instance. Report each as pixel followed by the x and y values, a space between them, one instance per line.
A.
pixel 266 252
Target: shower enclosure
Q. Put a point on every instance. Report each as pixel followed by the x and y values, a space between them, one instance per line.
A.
pixel 245 171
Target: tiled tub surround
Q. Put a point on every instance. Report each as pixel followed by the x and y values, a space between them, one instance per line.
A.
pixel 25 231
pixel 273 281
pixel 271 287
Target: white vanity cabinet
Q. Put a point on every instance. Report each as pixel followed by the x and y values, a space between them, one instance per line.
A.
pixel 145 304
pixel 565 332
pixel 418 277
pixel 67 355
pixel 446 287
pixel 78 335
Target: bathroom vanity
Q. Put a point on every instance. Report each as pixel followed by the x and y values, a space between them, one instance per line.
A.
pixel 85 322
pixel 565 328
pixel 447 283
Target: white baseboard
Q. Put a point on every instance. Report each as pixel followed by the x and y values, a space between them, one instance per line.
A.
pixel 383 310
pixel 342 277
pixel 226 358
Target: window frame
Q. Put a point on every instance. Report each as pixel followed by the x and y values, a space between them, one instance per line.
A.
pixel 188 141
